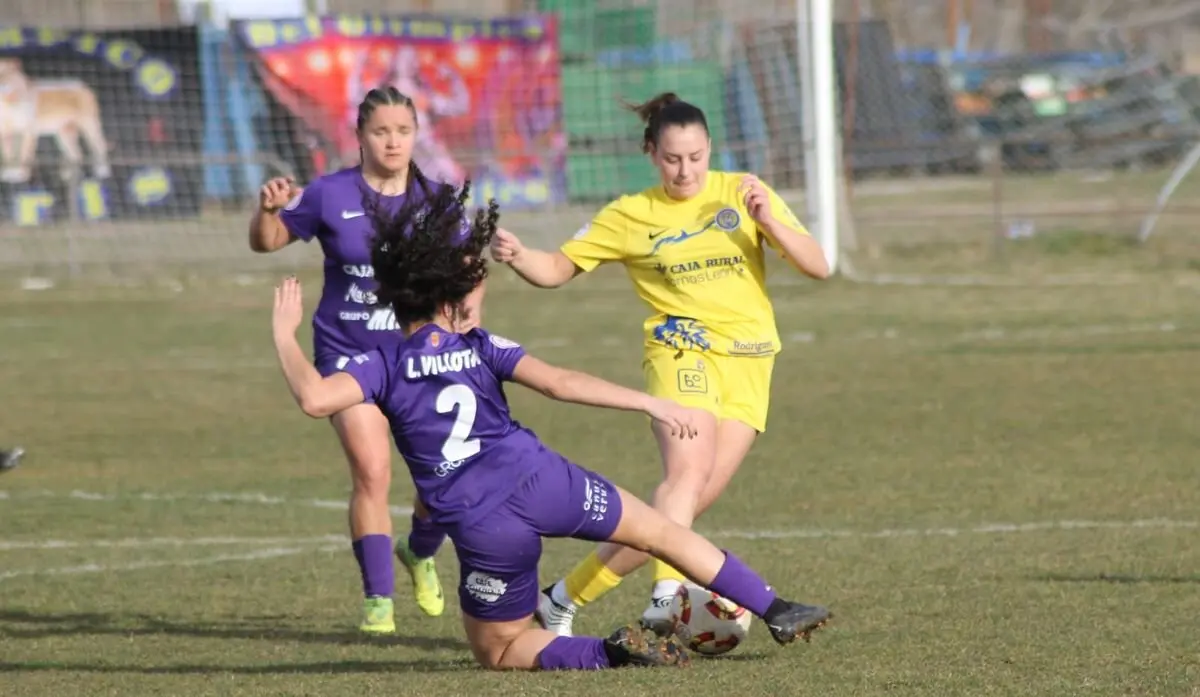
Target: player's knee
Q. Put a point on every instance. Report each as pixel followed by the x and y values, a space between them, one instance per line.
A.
pixel 491 659
pixel 371 477
pixel 685 491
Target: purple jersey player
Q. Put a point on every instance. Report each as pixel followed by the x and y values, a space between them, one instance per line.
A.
pixel 486 479
pixel 333 211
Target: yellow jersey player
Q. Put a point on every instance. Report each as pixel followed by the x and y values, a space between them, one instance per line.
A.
pixel 693 247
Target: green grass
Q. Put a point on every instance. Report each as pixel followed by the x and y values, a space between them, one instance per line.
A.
pixel 914 430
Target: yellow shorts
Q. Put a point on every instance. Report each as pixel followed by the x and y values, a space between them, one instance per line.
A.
pixel 731 387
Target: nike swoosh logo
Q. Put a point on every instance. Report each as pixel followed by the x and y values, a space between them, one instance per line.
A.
pixel 347 215
pixel 656 234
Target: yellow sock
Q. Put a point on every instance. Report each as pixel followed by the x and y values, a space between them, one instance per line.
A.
pixel 665 572
pixel 589 580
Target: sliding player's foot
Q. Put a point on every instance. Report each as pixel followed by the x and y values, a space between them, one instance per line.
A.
pixel 793 620
pixel 378 616
pixel 630 646
pixel 427 588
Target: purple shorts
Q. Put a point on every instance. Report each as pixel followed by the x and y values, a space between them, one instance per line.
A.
pixel 498 554
pixel 330 364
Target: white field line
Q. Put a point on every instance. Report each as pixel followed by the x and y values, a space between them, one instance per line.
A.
pixel 987 529
pixel 258 499
pixel 142 542
pixel 269 553
pixel 210 497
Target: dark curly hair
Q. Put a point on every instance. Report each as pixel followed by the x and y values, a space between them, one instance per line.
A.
pixel 429 254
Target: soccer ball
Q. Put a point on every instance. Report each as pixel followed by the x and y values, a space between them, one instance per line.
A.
pixel 707 623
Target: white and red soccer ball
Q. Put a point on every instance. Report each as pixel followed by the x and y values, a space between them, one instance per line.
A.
pixel 707 623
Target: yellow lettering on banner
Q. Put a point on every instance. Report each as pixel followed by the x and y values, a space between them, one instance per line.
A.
pixel 352 27
pixel 91 200
pixel 87 43
pixel 11 37
pixel 150 185
pixel 123 54
pixel 534 31
pixel 537 191
pixel 390 27
pixel 291 33
pixel 156 77
pixel 49 36
pixel 427 29
pixel 463 30
pixel 262 34
pixel 32 207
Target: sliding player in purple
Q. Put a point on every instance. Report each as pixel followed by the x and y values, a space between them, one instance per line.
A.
pixel 346 323
pixel 487 480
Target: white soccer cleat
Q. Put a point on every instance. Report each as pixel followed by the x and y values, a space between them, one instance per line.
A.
pixel 657 617
pixel 554 616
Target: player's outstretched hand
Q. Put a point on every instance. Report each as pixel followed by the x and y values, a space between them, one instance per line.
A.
pixel 754 194
pixel 289 307
pixel 505 246
pixel 276 193
pixel 683 421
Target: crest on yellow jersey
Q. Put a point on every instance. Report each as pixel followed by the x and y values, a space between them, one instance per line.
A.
pixel 728 219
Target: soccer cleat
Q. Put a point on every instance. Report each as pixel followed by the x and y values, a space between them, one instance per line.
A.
pixel 796 620
pixel 9 459
pixel 657 617
pixel 630 646
pixel 552 615
pixel 378 616
pixel 427 588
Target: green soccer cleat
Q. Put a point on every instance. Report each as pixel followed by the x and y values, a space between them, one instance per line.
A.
pixel 427 588
pixel 378 616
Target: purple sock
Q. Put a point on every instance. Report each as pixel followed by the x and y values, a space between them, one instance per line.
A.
pixel 374 555
pixel 574 653
pixel 743 585
pixel 425 538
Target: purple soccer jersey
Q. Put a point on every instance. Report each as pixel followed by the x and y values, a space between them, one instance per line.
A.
pixel 331 210
pixel 443 395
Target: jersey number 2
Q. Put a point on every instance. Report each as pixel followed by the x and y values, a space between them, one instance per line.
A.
pixel 459 444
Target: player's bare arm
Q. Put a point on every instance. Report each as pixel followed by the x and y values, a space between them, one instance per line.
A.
pixel 801 250
pixel 267 231
pixel 317 397
pixel 539 268
pixel 573 386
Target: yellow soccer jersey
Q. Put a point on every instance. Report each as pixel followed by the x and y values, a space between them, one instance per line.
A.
pixel 697 263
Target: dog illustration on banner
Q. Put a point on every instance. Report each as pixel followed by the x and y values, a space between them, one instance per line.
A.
pixel 65 110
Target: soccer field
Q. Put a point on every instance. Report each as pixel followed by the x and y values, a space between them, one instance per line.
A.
pixel 995 490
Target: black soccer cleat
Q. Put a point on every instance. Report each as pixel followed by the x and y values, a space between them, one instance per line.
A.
pixel 630 646
pixel 9 459
pixel 796 620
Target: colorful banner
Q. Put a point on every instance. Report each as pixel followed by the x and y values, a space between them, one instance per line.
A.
pixel 487 92
pixel 97 125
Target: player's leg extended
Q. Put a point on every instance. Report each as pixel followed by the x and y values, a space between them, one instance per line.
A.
pixel 745 398
pixel 363 432
pixel 644 528
pixel 688 378
pixel 686 464
pixel 416 555
pixel 498 591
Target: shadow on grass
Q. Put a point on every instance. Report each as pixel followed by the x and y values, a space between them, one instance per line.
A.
pixel 20 624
